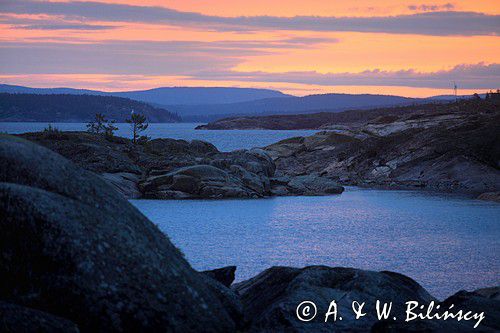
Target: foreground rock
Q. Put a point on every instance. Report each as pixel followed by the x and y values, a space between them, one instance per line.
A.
pixel 72 247
pixel 175 169
pixel 15 318
pixel 271 299
pixel 231 302
pixel 447 148
pixel 224 275
pixel 487 299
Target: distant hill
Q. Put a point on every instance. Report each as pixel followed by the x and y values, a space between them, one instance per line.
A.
pixel 199 95
pixel 292 105
pixel 11 89
pixel 164 96
pixel 75 108
pixel 208 104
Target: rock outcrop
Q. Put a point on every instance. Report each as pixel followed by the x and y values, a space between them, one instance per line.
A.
pixel 304 185
pixel 176 169
pixel 487 300
pixel 490 196
pixel 454 148
pixel 217 282
pixel 224 275
pixel 71 246
pixel 271 299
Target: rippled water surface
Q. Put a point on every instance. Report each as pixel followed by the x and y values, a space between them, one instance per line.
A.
pixel 445 243
pixel 224 140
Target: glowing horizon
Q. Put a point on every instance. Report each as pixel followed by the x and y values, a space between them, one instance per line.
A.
pixel 384 47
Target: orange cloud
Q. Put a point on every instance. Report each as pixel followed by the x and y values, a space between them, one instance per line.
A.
pixel 312 7
pixel 137 54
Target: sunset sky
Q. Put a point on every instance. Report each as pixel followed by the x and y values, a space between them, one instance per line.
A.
pixel 412 48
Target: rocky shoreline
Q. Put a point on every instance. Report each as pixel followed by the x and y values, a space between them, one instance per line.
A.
pixel 76 256
pixel 453 149
pixel 178 169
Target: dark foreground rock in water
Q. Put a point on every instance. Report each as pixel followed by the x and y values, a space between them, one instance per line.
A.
pixel 271 299
pixel 224 275
pixel 487 300
pixel 73 247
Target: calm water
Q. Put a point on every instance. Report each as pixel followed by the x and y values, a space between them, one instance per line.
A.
pixel 445 243
pixel 223 140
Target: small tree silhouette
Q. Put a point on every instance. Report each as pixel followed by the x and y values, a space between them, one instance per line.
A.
pixel 96 125
pixel 110 128
pixel 139 124
pixel 101 125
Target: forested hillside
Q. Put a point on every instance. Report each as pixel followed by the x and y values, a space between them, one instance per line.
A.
pixel 76 108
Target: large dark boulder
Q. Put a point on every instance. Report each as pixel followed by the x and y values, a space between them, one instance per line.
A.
pixel 197 181
pixel 96 153
pixel 312 185
pixel 72 246
pixel 487 300
pixel 18 319
pixel 164 146
pixel 270 300
pixel 228 298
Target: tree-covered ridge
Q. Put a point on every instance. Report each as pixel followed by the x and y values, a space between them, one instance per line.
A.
pixel 76 108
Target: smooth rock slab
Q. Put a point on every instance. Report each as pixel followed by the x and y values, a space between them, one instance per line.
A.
pixel 70 245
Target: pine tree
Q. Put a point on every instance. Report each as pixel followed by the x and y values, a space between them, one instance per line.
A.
pixel 139 124
pixel 96 126
pixel 101 125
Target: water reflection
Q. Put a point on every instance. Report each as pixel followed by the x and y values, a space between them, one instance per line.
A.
pixel 445 243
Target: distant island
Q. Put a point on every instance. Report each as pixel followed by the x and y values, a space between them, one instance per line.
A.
pixel 321 120
pixel 76 108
